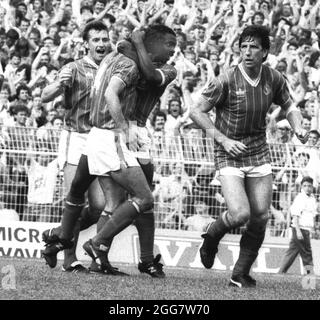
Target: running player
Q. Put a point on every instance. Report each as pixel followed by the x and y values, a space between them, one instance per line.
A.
pixel 242 97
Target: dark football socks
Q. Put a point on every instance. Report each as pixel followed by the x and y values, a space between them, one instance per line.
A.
pixel 250 244
pixel 105 216
pixel 218 229
pixel 122 217
pixel 89 216
pixel 71 214
pixel 70 254
pixel 145 226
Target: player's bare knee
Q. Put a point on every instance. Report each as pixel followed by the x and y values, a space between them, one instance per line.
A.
pixel 239 217
pixel 263 219
pixel 145 203
pixel 148 202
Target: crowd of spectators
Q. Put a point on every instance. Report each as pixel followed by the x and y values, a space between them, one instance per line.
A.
pixel 38 37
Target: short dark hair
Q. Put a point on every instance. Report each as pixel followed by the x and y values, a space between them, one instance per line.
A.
pixel 259 32
pixel 313 58
pixel 93 25
pixel 15 54
pixel 111 18
pixel 22 87
pixel 26 67
pixel 47 37
pixel 20 108
pixel 158 114
pixel 316 132
pixel 101 1
pixel 88 8
pixel 257 13
pixel 22 4
pixel 307 179
pixel 12 34
pixel 157 31
pixel 306 116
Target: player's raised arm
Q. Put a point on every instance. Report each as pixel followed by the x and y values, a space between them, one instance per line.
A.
pixel 150 72
pixel 145 62
pixel 57 88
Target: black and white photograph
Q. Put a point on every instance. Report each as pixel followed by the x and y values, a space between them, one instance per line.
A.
pixel 159 157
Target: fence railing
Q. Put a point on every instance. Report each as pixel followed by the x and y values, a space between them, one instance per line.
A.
pixel 186 189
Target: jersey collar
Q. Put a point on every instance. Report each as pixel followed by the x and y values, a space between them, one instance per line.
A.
pixel 90 61
pixel 253 83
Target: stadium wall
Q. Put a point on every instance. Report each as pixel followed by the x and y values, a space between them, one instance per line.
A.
pixel 178 248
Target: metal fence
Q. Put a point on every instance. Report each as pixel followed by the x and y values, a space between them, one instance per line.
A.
pixel 186 189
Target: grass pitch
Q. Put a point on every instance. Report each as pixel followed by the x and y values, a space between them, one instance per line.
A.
pixel 36 281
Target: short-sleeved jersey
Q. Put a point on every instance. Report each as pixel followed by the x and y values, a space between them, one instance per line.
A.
pixel 77 95
pixel 113 65
pixel 149 94
pixel 241 110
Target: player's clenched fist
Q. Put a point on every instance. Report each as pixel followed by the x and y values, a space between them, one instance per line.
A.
pixel 65 77
pixel 137 35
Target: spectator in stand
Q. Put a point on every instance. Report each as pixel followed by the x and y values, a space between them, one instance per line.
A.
pixel 169 194
pixel 12 66
pixel 303 210
pixel 6 117
pixel 23 96
pixel 20 138
pixel 158 132
pixel 201 217
pixel 12 36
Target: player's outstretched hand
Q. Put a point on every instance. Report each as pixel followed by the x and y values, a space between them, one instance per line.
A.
pixel 234 148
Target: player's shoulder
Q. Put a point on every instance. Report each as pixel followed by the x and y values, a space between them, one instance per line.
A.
pixel 275 74
pixel 227 74
pixel 125 61
pixel 224 78
pixel 71 65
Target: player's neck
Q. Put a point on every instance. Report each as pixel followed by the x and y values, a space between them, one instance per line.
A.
pixel 253 73
pixel 89 58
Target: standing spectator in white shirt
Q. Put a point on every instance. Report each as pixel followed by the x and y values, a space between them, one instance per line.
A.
pixel 303 210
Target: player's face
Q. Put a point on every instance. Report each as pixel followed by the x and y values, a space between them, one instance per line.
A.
pixel 98 45
pixel 162 49
pixel 252 53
